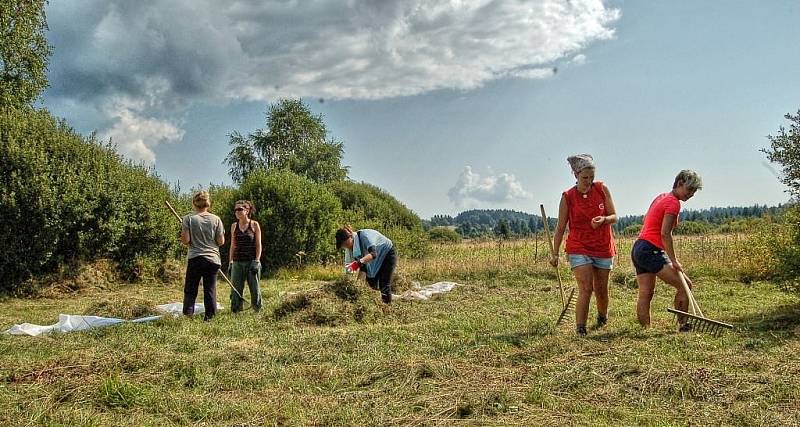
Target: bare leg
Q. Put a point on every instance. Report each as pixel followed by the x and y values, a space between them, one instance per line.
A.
pixel 584 277
pixel 600 287
pixel 647 287
pixel 671 277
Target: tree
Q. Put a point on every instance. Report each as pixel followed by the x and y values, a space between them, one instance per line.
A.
pixel 23 52
pixel 785 150
pixel 294 140
pixel 502 229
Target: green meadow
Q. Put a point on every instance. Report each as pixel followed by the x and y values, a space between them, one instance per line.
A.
pixel 323 352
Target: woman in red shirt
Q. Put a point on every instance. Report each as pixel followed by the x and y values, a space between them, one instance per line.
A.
pixel 589 211
pixel 653 254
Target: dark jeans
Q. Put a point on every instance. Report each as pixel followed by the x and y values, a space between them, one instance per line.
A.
pixel 200 268
pixel 383 280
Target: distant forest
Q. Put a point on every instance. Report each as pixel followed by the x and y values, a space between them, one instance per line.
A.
pixel 484 222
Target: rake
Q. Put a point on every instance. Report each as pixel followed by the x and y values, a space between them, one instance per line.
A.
pixel 567 303
pixel 696 319
pixel 218 271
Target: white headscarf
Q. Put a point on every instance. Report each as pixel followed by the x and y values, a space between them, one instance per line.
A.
pixel 580 162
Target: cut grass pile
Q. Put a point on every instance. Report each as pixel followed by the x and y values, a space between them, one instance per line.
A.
pixel 126 308
pixel 336 303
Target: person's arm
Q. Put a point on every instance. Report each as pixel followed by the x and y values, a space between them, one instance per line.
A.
pixel 667 224
pixel 185 238
pixel 232 250
pixel 558 236
pixel 220 237
pixel 371 255
pixel 611 211
pixel 257 231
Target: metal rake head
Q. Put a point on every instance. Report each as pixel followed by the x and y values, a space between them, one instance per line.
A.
pixel 568 307
pixel 701 324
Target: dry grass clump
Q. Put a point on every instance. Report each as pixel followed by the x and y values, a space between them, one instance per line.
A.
pixel 130 308
pixel 626 280
pixel 73 278
pixel 700 384
pixel 339 302
pixel 170 271
pixel 401 283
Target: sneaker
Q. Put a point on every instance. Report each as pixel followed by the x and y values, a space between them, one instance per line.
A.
pixel 601 320
pixel 580 330
pixel 686 327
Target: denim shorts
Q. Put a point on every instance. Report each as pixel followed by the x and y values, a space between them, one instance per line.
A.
pixel 648 258
pixel 576 260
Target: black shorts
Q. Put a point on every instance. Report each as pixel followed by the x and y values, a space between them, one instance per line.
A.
pixel 647 257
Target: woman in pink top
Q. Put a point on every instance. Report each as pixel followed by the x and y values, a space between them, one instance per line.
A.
pixel 588 210
pixel 653 254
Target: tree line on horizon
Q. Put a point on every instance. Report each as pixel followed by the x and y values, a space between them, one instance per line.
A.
pixel 475 223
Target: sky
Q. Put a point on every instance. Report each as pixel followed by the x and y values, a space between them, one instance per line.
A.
pixel 447 105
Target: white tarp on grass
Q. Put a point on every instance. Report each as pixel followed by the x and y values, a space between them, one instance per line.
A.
pixel 418 293
pixel 73 322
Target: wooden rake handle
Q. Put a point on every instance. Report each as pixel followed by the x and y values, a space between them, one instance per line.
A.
pixel 551 246
pixel 693 306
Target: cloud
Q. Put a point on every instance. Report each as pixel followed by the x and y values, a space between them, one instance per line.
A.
pixel 578 59
pixel 471 188
pixel 136 136
pixel 360 49
pixel 534 73
pixel 175 53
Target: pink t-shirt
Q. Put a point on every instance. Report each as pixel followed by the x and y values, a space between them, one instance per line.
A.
pixel 665 203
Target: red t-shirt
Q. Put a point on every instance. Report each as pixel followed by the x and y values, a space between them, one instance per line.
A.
pixel 582 238
pixel 665 203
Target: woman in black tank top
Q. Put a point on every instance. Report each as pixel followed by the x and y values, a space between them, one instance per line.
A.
pixel 245 254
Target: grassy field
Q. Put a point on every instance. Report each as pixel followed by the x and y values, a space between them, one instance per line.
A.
pixel 486 353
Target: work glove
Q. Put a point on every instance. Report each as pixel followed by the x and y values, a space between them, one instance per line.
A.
pixel 353 266
pixel 255 266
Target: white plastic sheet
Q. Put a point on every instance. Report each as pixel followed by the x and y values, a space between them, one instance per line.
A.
pixel 418 293
pixel 72 322
pixel 176 308
pixel 66 323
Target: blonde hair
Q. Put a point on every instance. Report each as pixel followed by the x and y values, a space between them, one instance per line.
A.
pixel 690 179
pixel 201 199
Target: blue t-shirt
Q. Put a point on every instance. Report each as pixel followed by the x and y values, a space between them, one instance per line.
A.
pixel 368 239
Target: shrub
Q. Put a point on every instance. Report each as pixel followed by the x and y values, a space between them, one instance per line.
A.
pixel 783 239
pixel 444 234
pixel 632 230
pixel 65 199
pixel 693 227
pixel 295 214
pixel 409 243
pixel 367 204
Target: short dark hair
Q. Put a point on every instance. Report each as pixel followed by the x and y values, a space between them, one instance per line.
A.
pixel 341 236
